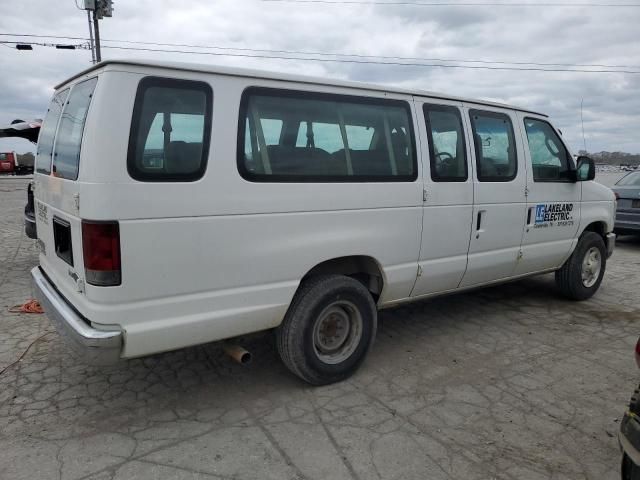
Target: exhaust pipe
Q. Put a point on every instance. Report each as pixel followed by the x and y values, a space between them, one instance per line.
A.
pixel 237 353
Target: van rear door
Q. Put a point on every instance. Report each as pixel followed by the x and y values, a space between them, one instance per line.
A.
pixel 57 187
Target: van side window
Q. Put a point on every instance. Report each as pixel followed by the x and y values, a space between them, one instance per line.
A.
pixel 66 152
pixel 495 146
pixel 48 132
pixel 447 149
pixel 324 137
pixel 170 130
pixel 550 159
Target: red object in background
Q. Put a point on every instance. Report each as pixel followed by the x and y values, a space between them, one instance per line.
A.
pixel 8 162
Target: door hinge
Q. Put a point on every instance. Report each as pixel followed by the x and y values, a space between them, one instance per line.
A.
pixel 526 191
pixel 520 255
pixel 425 194
pixel 76 201
pixel 419 271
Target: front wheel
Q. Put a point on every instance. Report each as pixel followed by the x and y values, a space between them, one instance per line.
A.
pixel 328 329
pixel 581 275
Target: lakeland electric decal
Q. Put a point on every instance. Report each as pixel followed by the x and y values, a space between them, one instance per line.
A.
pixel 554 214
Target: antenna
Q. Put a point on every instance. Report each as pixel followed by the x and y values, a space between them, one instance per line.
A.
pixel 584 140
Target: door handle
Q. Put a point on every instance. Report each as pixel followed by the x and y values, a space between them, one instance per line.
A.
pixel 530 216
pixel 479 223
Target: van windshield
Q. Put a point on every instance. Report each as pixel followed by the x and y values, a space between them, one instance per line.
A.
pixel 66 158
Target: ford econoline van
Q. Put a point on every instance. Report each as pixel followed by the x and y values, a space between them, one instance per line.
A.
pixel 180 204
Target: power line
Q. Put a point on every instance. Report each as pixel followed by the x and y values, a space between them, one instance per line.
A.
pixel 460 4
pixel 80 46
pixel 324 54
pixel 367 62
pixel 355 55
pixel 372 62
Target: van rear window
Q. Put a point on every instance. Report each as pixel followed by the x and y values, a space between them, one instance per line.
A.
pixel 48 132
pixel 170 131
pixel 66 153
pixel 292 136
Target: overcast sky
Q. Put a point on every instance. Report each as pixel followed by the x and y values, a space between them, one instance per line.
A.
pixel 559 35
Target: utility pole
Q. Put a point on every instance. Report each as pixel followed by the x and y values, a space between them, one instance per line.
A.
pixel 100 9
pixel 96 29
pixel 91 44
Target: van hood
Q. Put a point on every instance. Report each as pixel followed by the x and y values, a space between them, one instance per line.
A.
pixel 596 192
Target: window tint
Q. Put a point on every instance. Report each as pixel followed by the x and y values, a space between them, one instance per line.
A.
pixel 170 131
pixel 324 138
pixel 446 143
pixel 549 158
pixel 66 156
pixel 48 133
pixel 495 146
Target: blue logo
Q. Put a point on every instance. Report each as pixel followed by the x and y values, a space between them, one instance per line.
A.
pixel 540 211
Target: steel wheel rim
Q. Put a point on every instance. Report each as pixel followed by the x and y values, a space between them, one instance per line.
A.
pixel 591 266
pixel 337 332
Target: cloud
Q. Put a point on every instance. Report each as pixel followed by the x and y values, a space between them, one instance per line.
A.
pixel 536 34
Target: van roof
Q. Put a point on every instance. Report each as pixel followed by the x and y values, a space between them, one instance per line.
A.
pixel 245 72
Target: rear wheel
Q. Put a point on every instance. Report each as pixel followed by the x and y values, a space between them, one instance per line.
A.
pixel 581 275
pixel 328 329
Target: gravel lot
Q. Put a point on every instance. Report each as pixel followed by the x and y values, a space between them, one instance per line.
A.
pixel 510 382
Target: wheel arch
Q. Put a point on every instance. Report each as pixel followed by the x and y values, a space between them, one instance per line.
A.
pixel 599 227
pixel 363 268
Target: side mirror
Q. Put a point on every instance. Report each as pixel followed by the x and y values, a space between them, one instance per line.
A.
pixel 585 169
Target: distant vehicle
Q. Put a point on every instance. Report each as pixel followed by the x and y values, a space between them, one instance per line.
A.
pixel 8 163
pixel 12 164
pixel 220 202
pixel 629 436
pixel 627 192
pixel 29 131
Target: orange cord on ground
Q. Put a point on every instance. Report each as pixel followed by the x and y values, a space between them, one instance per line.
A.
pixel 32 306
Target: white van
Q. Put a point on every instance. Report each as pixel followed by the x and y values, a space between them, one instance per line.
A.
pixel 181 204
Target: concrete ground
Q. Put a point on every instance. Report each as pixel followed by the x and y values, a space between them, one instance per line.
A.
pixel 510 382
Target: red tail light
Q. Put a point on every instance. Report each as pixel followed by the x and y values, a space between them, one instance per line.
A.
pixel 637 352
pixel 101 249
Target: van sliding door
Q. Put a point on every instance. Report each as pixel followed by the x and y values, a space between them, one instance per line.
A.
pixel 448 197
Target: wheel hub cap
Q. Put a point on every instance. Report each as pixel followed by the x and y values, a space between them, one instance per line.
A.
pixel 337 332
pixel 591 266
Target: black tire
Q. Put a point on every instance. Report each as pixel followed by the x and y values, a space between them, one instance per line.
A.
pixel 296 336
pixel 569 277
pixel 629 470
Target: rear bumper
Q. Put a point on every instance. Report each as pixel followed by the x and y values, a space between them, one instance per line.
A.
pixel 96 347
pixel 627 226
pixel 611 243
pixel 628 220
